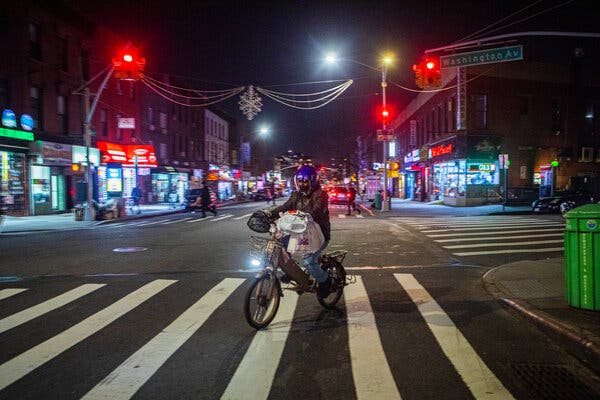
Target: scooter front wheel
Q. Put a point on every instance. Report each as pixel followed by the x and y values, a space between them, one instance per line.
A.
pixel 262 301
pixel 337 274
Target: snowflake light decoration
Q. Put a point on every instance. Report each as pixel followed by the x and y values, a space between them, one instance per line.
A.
pixel 250 103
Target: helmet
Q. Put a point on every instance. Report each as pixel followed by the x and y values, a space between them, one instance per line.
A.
pixel 306 173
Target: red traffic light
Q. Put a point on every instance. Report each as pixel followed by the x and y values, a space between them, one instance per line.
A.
pixel 428 73
pixel 430 64
pixel 127 57
pixel 129 65
pixel 385 113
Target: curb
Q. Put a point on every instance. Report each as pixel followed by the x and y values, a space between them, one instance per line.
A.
pixel 581 346
pixel 578 345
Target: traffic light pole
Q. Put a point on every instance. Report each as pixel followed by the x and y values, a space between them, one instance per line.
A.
pixel 89 214
pixel 385 206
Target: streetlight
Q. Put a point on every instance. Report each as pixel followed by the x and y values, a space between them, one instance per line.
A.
pixel 386 60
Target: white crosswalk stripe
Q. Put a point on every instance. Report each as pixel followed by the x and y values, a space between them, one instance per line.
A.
pixel 479 379
pixel 6 293
pixel 26 362
pixel 474 236
pixel 124 381
pixel 222 217
pixel 262 360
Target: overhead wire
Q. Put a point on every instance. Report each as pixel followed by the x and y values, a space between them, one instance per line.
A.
pixel 287 102
pixel 225 94
pixel 223 98
pixel 303 101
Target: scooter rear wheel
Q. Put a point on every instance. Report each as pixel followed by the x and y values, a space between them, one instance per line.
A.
pixel 337 274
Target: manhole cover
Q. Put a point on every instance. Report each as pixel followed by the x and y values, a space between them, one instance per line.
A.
pixel 129 249
pixel 553 382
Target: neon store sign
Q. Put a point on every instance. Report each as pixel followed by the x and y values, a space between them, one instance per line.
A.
pixel 440 150
pixel 128 155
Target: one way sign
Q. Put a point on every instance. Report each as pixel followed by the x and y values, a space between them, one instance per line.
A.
pixel 385 135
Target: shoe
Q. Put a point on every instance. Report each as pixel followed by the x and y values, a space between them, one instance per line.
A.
pixel 359 212
pixel 285 278
pixel 348 214
pixel 324 288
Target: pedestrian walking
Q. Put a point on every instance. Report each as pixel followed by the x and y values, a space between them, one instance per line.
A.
pixel 136 195
pixel 352 200
pixel 206 201
pixel 271 192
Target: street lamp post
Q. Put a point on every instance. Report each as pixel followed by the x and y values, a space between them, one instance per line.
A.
pixel 332 58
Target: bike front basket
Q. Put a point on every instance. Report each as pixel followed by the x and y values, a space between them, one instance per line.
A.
pixel 264 249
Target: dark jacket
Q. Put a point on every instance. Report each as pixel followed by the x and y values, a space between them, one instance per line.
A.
pixel 315 204
pixel 205 196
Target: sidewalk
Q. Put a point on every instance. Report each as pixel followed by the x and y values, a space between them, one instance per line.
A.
pixel 535 289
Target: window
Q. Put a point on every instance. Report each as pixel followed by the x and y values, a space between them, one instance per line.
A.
pixel 35 45
pixel 119 88
pixel 480 111
pixel 104 122
pixel 62 115
pixel 35 99
pixel 163 122
pixel 63 53
pixel 523 105
pixel 163 151
pixel 85 65
pixel 119 130
pixel 556 116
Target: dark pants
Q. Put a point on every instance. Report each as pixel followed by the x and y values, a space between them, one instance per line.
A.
pixel 208 207
pixel 352 206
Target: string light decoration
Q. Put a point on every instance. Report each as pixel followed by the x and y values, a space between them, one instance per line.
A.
pixel 250 102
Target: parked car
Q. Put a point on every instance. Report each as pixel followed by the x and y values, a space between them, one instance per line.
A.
pixel 338 195
pixel 563 202
pixel 190 202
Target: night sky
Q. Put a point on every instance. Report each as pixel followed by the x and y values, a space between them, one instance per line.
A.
pixel 222 44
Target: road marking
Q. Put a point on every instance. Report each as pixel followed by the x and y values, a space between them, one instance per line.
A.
pixel 40 309
pixel 223 217
pixel 172 222
pixel 360 216
pixel 450 222
pixel 478 253
pixel 128 378
pixel 370 369
pixel 341 215
pixel 35 357
pixel 497 228
pixel 243 216
pixel 199 219
pixel 115 225
pixel 473 246
pixel 6 293
pixel 254 375
pixel 482 382
pixel 500 237
pixel 491 233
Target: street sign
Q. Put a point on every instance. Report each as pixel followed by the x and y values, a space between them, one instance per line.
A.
pixel 385 135
pixel 488 56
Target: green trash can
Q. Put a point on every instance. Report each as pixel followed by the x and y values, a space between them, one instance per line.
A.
pixel 582 257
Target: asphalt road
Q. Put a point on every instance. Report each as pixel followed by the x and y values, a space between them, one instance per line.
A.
pixel 162 317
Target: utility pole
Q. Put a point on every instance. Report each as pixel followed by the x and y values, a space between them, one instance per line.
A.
pixel 384 205
pixel 89 214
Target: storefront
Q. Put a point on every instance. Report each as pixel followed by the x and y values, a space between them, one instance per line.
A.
pixel 169 185
pixel 13 165
pixel 124 167
pixel 465 170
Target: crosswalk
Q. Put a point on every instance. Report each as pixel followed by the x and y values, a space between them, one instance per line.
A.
pixel 491 235
pixel 262 361
pixel 197 220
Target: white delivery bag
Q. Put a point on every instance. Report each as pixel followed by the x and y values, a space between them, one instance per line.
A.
pixel 305 234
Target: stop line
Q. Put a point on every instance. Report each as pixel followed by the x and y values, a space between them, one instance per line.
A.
pixel 262 359
pixel 476 236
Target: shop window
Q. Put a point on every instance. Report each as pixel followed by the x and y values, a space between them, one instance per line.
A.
pixel 62 115
pixel 480 111
pixel 119 130
pixel 35 43
pixel 163 122
pixel 40 189
pixel 35 99
pixel 482 173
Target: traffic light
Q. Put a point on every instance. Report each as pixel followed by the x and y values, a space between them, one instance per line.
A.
pixel 129 65
pixel 433 73
pixel 428 73
pixel 385 113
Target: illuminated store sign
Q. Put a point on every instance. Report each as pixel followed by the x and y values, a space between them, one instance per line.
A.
pixel 128 155
pixel 413 156
pixel 16 134
pixel 9 120
pixel 440 150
